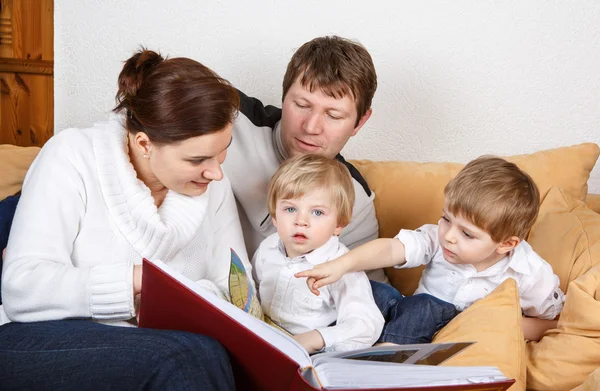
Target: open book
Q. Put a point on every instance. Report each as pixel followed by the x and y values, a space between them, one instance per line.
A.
pixel 265 358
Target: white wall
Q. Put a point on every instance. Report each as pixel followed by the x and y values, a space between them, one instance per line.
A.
pixel 456 79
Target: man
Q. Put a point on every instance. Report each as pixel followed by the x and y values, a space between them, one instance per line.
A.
pixel 327 92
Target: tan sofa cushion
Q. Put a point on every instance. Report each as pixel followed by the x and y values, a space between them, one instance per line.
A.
pixel 593 202
pixel 592 383
pixel 565 357
pixel 410 194
pixel 494 322
pixel 567 235
pixel 14 163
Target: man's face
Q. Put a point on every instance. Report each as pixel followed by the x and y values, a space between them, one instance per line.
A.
pixel 313 122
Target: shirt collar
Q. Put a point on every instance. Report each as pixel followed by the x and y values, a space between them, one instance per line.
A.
pixel 518 258
pixel 278 144
pixel 318 255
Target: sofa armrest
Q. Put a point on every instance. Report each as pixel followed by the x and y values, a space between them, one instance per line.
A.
pixel 14 163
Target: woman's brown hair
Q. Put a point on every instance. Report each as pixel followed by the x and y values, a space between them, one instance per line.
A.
pixel 173 99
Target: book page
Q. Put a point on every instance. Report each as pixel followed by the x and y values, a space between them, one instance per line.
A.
pixel 269 334
pixel 345 374
pixel 421 354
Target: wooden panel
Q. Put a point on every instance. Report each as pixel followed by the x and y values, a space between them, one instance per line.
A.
pixel 26 71
pixel 26 109
pixel 47 29
pixel 6 30
pixel 26 66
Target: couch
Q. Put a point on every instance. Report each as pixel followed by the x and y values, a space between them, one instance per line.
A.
pixel 566 234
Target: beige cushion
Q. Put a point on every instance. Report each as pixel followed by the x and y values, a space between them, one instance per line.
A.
pixel 494 322
pixel 14 163
pixel 567 235
pixel 410 194
pixel 592 383
pixel 566 356
pixel 593 202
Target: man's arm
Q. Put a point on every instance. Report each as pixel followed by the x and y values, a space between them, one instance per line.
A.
pixel 250 163
pixel 364 226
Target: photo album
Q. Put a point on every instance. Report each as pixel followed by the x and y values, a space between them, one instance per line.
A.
pixel 265 357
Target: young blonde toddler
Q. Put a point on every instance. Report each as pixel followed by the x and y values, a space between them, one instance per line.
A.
pixel 310 199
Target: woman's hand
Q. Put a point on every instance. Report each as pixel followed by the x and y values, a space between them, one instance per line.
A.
pixel 324 274
pixel 312 341
pixel 137 279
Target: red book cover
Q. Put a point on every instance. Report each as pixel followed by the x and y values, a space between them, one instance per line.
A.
pixel 166 303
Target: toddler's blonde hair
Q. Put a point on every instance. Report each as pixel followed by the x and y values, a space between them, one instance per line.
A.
pixel 305 173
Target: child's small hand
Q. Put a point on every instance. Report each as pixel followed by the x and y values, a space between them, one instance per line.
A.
pixel 312 341
pixel 323 274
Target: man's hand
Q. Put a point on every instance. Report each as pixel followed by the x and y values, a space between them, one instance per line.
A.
pixel 324 274
pixel 312 341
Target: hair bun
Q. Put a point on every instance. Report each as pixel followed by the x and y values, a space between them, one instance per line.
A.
pixel 135 71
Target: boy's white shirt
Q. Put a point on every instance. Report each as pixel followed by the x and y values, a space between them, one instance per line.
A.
pixel 288 301
pixel 462 285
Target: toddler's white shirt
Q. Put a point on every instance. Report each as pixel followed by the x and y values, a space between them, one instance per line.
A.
pixel 288 301
pixel 462 285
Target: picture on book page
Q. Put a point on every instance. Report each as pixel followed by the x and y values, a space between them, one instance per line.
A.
pixel 411 354
pixel 243 294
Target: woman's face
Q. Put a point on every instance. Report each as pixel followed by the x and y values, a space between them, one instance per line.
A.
pixel 188 166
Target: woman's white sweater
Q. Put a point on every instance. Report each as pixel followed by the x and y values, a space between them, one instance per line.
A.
pixel 84 220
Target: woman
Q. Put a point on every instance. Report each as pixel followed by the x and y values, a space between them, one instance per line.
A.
pixel 145 184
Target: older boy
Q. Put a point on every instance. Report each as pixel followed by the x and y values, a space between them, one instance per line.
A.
pixel 310 201
pixel 327 92
pixel 478 243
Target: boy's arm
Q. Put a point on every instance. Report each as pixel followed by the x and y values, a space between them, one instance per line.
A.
pixel 312 341
pixel 534 328
pixel 363 227
pixel 541 296
pixel 372 255
pixel 359 322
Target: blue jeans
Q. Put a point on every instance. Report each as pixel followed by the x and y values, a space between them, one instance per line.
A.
pixel 83 355
pixel 8 206
pixel 410 319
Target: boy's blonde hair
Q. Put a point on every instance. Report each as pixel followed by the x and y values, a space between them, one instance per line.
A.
pixel 305 173
pixel 496 196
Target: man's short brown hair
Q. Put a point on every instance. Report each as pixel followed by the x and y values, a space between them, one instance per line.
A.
pixel 337 66
pixel 496 196
pixel 302 174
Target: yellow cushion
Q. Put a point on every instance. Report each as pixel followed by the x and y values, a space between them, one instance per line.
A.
pixel 593 202
pixel 567 235
pixel 410 194
pixel 14 163
pixel 592 383
pixel 494 322
pixel 566 356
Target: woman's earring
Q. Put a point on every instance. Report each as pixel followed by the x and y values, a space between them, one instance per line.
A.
pixel 146 156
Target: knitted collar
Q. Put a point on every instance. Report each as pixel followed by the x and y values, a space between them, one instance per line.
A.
pixel 154 233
